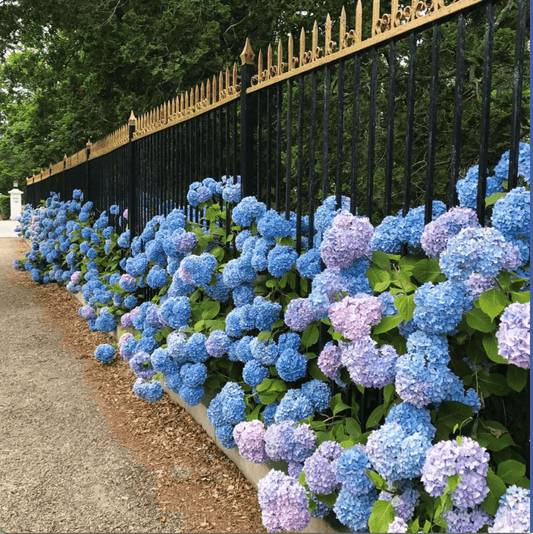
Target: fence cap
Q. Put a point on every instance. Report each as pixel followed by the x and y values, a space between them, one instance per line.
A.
pixel 132 121
pixel 247 54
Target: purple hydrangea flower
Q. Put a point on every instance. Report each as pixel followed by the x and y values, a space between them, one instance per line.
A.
pixel 346 240
pixel 250 439
pixel 437 233
pixel 353 316
pixel 218 343
pixel 513 513
pixel 289 442
pixel 469 460
pixel 464 521
pixel 514 334
pixel 368 365
pixel 284 503
pixel 300 314
pixel 329 361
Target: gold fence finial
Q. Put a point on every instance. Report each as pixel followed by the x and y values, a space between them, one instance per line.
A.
pixel 376 19
pixel 269 62
pixel 315 49
pixel 301 60
pixel 358 36
pixel 342 30
pixel 132 120
pixel 279 67
pixel 291 60
pixel 234 78
pixel 247 54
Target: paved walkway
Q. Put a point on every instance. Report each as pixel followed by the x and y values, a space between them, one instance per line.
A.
pixel 60 471
pixel 7 228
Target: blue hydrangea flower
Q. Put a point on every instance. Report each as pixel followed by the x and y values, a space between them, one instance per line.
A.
pixel 354 510
pixel 105 353
pixel 273 225
pixel 254 373
pixel 150 391
pixel 294 406
pixel 291 365
pixel 350 470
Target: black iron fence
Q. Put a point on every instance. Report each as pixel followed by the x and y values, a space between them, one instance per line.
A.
pixel 373 117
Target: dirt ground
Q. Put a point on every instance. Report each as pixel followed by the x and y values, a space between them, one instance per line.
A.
pixel 79 452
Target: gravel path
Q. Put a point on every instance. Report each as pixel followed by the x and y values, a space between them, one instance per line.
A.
pixel 60 470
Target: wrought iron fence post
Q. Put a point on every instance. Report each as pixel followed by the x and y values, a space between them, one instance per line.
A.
pixel 248 113
pixel 88 172
pixel 131 177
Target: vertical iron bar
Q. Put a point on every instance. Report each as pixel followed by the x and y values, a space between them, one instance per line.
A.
pixel 355 132
pixel 226 148
pixel 269 149
pixel 325 131
pixel 458 110
pixel 390 129
pixel 259 148
pixel 312 177
pixel 340 131
pixel 372 135
pixel 432 125
pixel 485 112
pixel 278 148
pixel 235 144
pixel 247 131
pixel 219 131
pixel 299 169
pixel 409 127
pixel 516 104
pixel 289 151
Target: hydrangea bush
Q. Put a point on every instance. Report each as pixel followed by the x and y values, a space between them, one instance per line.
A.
pixel 384 382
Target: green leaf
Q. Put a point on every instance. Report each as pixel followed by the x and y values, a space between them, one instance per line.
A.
pixel 264 385
pixel 451 412
pixel 494 383
pixel 381 260
pixel 494 443
pixel 414 526
pixel 510 471
pixel 301 479
pixel 210 309
pixel 212 383
pixel 376 275
pixel 376 415
pixel 479 320
pixel 329 499
pixel 268 397
pixel 310 335
pixel 254 414
pixel 490 200
pixel 315 371
pixel 496 490
pixel 382 514
pixel 340 407
pixel 388 392
pixel 271 283
pixel 490 344
pixel 493 302
pixel 521 297
pixel 517 377
pixel 405 304
pixel 386 324
pixel 426 270
pixel 264 335
pixel 353 428
pixel 376 479
pixel 453 482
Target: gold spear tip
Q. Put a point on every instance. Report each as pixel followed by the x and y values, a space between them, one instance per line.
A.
pixel 132 120
pixel 247 54
pixel 89 143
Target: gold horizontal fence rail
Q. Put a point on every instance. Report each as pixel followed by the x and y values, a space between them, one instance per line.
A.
pixel 201 99
pixel 204 97
pixel 384 28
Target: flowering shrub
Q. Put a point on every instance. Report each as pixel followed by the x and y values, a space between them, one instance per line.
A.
pixel 375 379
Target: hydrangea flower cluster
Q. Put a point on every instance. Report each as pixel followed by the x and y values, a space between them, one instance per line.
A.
pixel 283 502
pixel 469 460
pixel 105 353
pixel 460 520
pixel 353 316
pixel 225 411
pixel 513 513
pixel 514 334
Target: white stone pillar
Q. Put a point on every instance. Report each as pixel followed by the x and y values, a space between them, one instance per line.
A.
pixel 16 204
